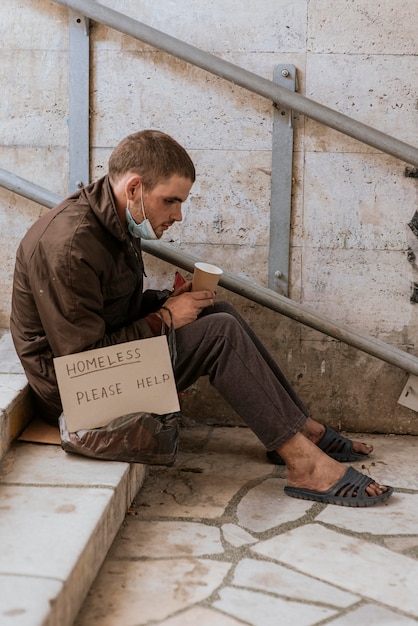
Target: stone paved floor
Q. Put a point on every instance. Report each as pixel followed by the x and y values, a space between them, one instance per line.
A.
pixel 214 541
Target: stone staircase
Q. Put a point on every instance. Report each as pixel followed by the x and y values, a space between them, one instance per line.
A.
pixel 59 513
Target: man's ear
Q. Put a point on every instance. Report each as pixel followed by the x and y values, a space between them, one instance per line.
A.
pixel 132 186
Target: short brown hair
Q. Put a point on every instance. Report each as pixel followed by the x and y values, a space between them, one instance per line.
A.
pixel 153 155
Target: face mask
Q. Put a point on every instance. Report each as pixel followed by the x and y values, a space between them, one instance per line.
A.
pixel 144 230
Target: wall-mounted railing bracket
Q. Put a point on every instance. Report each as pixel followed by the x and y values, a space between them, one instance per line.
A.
pixel 281 185
pixel 79 101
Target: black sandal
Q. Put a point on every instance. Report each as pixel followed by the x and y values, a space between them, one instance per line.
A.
pixel 350 490
pixel 332 443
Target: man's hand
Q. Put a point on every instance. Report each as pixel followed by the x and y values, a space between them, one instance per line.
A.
pixel 186 286
pixel 186 305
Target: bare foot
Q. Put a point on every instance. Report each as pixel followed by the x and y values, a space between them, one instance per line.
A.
pixel 314 431
pixel 310 468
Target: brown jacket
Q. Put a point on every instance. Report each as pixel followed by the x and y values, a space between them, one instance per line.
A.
pixel 78 285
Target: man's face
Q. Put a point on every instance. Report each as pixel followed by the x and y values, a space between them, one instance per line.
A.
pixel 162 204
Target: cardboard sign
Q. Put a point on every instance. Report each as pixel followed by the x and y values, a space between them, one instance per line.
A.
pixel 99 385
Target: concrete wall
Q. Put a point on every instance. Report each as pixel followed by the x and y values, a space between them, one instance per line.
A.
pixel 351 204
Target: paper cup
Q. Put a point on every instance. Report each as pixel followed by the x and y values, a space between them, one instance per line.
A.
pixel 205 277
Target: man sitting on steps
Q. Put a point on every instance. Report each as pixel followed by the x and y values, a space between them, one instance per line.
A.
pixel 78 285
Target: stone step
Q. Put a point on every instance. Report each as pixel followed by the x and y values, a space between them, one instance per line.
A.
pixel 15 404
pixel 59 514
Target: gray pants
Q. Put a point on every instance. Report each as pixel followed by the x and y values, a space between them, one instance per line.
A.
pixel 221 345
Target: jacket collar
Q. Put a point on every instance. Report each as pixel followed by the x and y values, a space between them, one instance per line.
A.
pixel 100 198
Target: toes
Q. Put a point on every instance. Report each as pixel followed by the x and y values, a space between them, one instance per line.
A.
pixel 374 489
pixel 364 448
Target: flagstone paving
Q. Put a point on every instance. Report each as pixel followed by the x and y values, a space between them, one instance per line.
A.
pixel 211 541
pixel 214 541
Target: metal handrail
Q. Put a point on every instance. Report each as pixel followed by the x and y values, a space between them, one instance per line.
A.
pixel 280 96
pixel 244 78
pixel 242 287
pixel 29 190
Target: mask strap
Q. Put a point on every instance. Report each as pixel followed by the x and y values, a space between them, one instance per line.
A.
pixel 142 204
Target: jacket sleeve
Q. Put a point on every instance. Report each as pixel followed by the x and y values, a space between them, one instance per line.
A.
pixel 69 300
